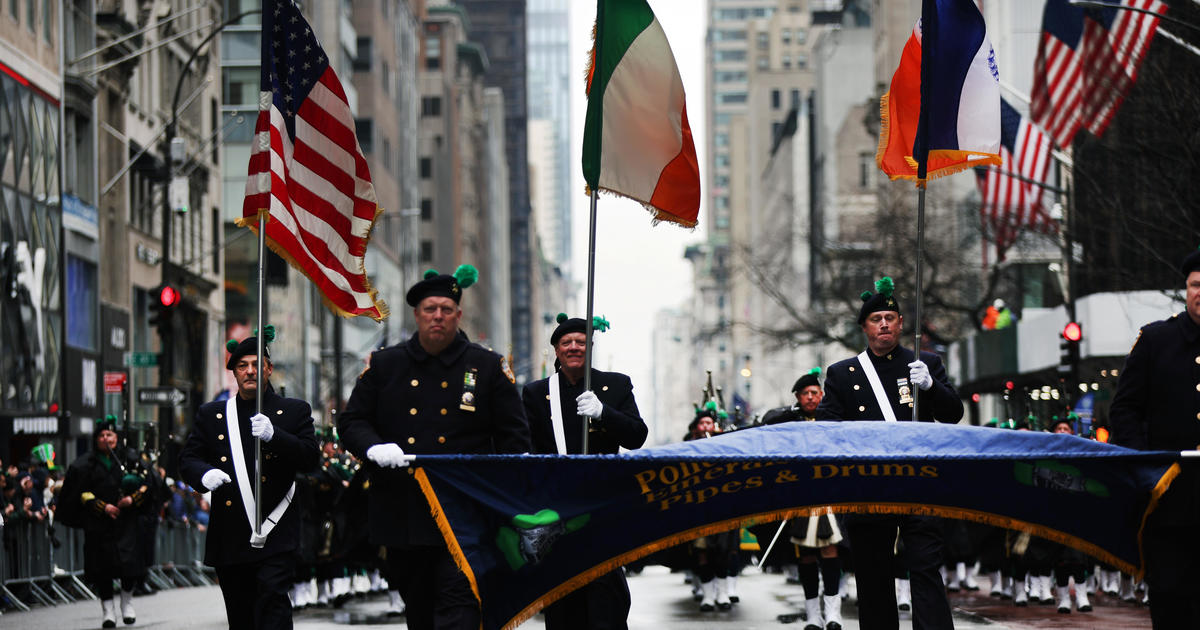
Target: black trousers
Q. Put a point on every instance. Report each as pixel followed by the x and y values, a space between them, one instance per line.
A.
pixel 256 594
pixel 436 593
pixel 873 543
pixel 1172 555
pixel 602 604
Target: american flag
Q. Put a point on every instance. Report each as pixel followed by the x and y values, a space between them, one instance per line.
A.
pixel 1087 60
pixel 307 171
pixel 1009 204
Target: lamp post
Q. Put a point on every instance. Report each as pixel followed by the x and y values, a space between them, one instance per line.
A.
pixel 176 152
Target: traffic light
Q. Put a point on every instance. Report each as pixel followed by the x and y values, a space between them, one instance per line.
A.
pixel 1068 363
pixel 163 302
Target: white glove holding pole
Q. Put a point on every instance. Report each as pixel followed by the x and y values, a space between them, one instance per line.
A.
pixel 918 373
pixel 588 405
pixel 261 427
pixel 215 478
pixel 388 455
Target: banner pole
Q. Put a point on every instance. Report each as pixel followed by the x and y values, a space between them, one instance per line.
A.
pixel 772 545
pixel 591 293
pixel 916 409
pixel 258 371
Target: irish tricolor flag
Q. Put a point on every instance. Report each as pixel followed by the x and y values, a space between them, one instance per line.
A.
pixel 636 138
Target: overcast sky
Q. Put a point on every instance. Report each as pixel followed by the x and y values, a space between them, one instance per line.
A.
pixel 639 269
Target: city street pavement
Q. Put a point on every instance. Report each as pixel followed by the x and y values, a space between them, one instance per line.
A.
pixel 660 600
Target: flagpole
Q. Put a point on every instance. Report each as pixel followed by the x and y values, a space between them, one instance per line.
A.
pixel 591 292
pixel 262 239
pixel 916 410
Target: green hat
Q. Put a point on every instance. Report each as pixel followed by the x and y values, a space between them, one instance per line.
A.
pixel 576 324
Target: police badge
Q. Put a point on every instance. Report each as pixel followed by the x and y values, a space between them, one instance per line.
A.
pixel 905 391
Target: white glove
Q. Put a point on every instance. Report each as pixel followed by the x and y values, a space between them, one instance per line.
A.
pixel 918 373
pixel 388 455
pixel 215 478
pixel 261 427
pixel 588 405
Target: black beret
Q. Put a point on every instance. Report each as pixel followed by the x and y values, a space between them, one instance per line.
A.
pixel 249 345
pixel 1190 263
pixel 440 285
pixel 436 284
pixel 882 300
pixel 807 380
pixel 107 423
pixel 567 325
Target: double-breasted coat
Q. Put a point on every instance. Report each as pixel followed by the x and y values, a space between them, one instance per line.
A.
pixel 620 424
pixel 291 450
pixel 462 400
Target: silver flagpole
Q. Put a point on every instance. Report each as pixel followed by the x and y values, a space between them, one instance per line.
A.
pixel 262 266
pixel 916 415
pixel 591 292
pixel 772 545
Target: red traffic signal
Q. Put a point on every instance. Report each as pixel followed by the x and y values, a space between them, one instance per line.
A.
pixel 1072 331
pixel 168 296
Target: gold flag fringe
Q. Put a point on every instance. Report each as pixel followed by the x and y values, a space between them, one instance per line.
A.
pixel 885 132
pixel 656 215
pixel 282 252
pixel 911 509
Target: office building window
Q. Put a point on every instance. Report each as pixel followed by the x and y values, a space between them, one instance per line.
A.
pixel 433 52
pixel 426 253
pixel 82 323
pixel 776 99
pixel 431 106
pixel 426 209
pixel 425 166
pixel 364 128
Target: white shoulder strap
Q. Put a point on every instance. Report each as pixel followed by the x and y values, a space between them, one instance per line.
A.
pixel 885 405
pixel 243 479
pixel 556 415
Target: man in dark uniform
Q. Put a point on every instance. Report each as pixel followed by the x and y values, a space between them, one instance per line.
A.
pixel 807 390
pixel 851 387
pixel 613 421
pixel 1157 407
pixel 108 494
pixel 435 393
pixel 254 570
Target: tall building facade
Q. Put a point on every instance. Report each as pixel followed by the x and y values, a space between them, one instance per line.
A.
pixel 500 27
pixel 550 82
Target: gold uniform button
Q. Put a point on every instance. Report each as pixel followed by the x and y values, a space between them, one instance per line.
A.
pixel 547 396
pixel 443 412
pixel 441 439
pixel 862 408
pixel 264 478
pixel 410 470
pixel 412 440
pixel 221 436
pixel 228 503
pixel 412 412
pixel 851 368
pixel 604 389
pixel 1198 359
pixel 889 357
pixel 856 388
pixel 445 384
pixel 224 459
pixel 414 382
pixel 1198 387
pixel 219 416
pixel 279 412
pixel 1198 416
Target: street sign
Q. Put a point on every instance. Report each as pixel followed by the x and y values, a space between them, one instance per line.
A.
pixel 142 359
pixel 114 382
pixel 162 396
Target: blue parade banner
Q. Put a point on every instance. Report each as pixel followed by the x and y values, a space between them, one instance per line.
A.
pixel 528 529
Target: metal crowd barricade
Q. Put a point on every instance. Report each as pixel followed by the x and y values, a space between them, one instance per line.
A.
pixel 179 554
pixel 36 571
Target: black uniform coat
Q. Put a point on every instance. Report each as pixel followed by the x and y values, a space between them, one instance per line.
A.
pixel 425 404
pixel 619 425
pixel 292 449
pixel 1157 407
pixel 848 395
pixel 780 415
pixel 111 547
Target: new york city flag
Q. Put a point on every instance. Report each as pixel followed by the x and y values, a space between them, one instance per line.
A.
pixel 528 529
pixel 942 112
